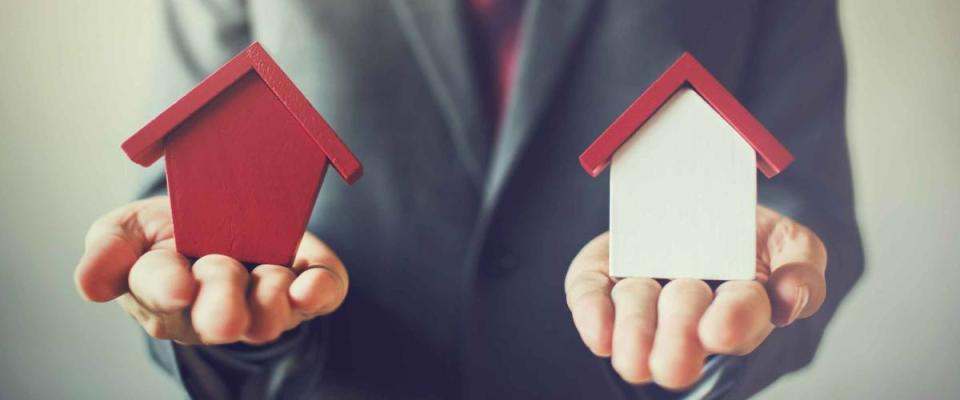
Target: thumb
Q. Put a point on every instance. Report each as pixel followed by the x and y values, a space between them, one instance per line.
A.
pixel 798 261
pixel 114 242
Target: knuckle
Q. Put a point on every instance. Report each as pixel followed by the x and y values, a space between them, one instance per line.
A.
pixel 677 384
pixel 270 289
pixel 634 286
pixel 335 272
pixel 101 229
pixel 618 292
pixel 161 254
pixel 750 292
pixel 633 375
pixel 222 327
pixel 334 279
pixel 754 288
pixel 110 220
pixel 294 321
pixel 154 257
pixel 735 319
pixel 273 273
pixel 624 368
pixel 728 343
pixel 725 341
pixel 742 351
pixel 274 334
pixel 133 308
pixel 270 269
pixel 155 328
pixel 264 336
pixel 687 285
pixel 642 327
pixel 674 377
pixel 218 265
pixel 216 259
pixel 214 338
pixel 734 333
pixel 322 309
pixel 587 284
pixel 99 225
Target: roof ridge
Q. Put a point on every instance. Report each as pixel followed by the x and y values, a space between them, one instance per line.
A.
pixel 772 156
pixel 146 145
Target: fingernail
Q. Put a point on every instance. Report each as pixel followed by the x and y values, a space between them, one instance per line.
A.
pixel 803 296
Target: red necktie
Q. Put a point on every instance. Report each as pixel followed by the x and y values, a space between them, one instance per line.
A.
pixel 499 28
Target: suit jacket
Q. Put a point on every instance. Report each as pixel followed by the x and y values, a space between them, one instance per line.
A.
pixel 456 243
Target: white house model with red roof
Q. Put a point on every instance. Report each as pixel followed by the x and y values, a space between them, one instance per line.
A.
pixel 683 185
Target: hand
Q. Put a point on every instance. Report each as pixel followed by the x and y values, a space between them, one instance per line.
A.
pixel 130 254
pixel 664 334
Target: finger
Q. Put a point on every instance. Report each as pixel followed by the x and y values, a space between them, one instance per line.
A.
pixel 737 320
pixel 136 310
pixel 677 356
pixel 796 291
pixel 635 304
pixel 322 280
pixel 161 280
pixel 317 291
pixel 269 305
pixel 220 313
pixel 588 287
pixel 112 245
pixel 313 252
pixel 798 262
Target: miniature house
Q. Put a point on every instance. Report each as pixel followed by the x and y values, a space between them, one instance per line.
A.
pixel 246 153
pixel 683 189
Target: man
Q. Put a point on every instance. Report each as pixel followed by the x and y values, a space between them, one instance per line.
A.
pixel 469 118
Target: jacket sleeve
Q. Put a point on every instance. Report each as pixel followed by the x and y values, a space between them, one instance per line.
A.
pixel 197 37
pixel 795 84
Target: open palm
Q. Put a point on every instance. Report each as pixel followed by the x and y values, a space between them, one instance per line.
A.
pixel 130 255
pixel 664 332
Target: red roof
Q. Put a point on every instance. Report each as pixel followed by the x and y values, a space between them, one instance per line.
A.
pixel 146 146
pixel 772 157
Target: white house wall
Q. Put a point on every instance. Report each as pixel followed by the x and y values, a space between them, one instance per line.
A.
pixel 683 197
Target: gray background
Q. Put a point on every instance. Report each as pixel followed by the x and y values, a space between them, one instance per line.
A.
pixel 71 89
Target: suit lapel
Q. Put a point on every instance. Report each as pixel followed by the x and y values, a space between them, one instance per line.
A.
pixel 438 33
pixel 549 31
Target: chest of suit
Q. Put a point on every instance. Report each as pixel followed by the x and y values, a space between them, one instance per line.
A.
pixel 457 245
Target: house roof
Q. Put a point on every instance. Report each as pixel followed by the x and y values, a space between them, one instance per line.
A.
pixel 146 146
pixel 772 157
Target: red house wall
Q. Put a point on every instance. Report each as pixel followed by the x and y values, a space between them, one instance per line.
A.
pixel 242 177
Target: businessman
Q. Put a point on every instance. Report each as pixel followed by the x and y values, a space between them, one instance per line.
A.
pixel 471 260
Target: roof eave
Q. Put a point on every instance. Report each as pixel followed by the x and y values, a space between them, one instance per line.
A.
pixel 313 124
pixel 772 156
pixel 146 146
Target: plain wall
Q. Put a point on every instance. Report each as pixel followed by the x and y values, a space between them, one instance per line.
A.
pixel 74 76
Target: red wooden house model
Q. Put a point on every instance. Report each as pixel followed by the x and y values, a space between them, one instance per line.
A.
pixel 246 153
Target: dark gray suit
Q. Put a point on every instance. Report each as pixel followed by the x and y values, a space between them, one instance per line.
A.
pixel 457 244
